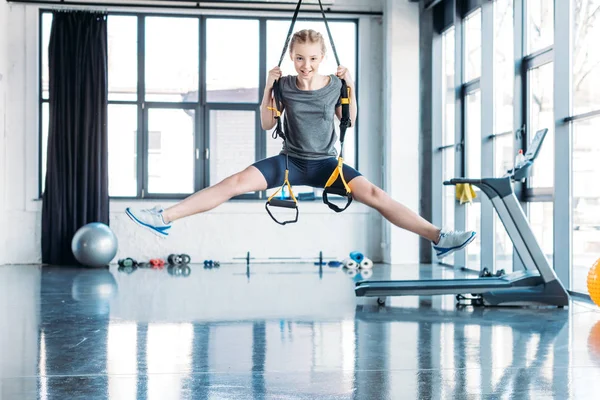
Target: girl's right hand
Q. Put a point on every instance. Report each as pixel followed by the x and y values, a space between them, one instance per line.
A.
pixel 274 74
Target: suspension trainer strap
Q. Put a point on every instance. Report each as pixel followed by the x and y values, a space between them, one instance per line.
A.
pixel 278 132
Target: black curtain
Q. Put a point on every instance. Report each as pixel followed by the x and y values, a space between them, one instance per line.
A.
pixel 76 190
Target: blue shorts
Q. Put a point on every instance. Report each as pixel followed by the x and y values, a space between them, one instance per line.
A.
pixel 314 173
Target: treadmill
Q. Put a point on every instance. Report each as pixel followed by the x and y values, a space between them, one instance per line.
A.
pixel 536 285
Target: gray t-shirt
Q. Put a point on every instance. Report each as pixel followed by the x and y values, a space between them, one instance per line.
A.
pixel 309 119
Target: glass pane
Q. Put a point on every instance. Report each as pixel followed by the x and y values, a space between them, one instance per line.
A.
pixel 448 86
pixel 474 223
pixel 226 82
pixel 540 24
pixel 448 201
pixel 122 57
pixel 503 154
pixel 122 150
pixel 171 151
pixel 344 35
pixel 172 57
pixel 503 247
pixel 44 148
pixel 232 142
pixel 473 46
pixel 503 65
pixel 541 105
pixel 541 219
pixel 473 122
pixel 586 200
pixel 46 30
pixel 586 56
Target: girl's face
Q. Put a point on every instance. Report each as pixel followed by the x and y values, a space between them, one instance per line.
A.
pixel 306 58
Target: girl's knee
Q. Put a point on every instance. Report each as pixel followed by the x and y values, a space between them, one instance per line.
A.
pixel 368 193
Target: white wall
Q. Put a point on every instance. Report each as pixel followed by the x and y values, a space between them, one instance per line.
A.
pixel 3 89
pixel 228 231
pixel 401 122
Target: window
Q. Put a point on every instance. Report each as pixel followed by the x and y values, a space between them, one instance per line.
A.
pixel 122 58
pixel 473 136
pixel 171 59
pixel 171 150
pixel 232 61
pixel 448 130
pixel 448 88
pixel 541 107
pixel 540 24
pixel 122 149
pixel 504 66
pixel 503 116
pixel 473 46
pixel 541 219
pixel 586 200
pixel 473 169
pixel 232 142
pixel 586 56
pixel 182 111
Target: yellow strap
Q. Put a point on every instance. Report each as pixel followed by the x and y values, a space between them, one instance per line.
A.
pixel 285 182
pixel 346 100
pixel 338 171
pixel 278 114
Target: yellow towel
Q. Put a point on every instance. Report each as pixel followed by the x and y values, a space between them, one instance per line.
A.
pixel 465 193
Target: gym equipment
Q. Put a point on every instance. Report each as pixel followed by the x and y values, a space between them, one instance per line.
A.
pixel 94 245
pixel 366 263
pixel 127 262
pixel 593 282
pixel 537 284
pixel 350 263
pixel 345 122
pixel 211 264
pixel 157 263
pixel 319 260
pixel 177 259
pixel 357 256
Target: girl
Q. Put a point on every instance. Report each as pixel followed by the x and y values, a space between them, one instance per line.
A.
pixel 310 101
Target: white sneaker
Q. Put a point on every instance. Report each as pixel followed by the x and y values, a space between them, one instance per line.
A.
pixel 451 241
pixel 151 219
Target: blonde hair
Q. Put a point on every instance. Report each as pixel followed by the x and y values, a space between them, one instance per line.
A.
pixel 308 36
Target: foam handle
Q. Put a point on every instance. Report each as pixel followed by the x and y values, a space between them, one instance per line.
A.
pixel 350 263
pixel 357 256
pixel 366 263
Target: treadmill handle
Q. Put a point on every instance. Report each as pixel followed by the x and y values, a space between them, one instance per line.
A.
pixel 455 181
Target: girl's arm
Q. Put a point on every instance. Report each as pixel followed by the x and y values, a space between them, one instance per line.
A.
pixel 267 117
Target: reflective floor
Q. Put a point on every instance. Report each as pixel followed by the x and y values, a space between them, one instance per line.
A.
pixel 278 332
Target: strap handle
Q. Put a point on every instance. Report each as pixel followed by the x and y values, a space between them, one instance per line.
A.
pixel 339 192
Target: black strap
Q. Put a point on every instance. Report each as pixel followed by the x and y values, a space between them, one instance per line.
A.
pixel 345 121
pixel 290 31
pixel 337 59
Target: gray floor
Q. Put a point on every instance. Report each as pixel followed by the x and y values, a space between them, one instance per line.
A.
pixel 278 332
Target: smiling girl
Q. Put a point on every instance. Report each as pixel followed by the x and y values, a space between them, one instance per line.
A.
pixel 310 102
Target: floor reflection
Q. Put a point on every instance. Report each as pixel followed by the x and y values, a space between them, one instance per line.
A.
pixel 287 331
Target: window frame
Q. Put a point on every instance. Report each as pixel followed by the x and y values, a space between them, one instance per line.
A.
pixel 201 107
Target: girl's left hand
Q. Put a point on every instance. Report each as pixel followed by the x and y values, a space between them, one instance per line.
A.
pixel 343 73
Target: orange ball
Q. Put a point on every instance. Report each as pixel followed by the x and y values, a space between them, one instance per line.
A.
pixel 594 341
pixel 593 282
